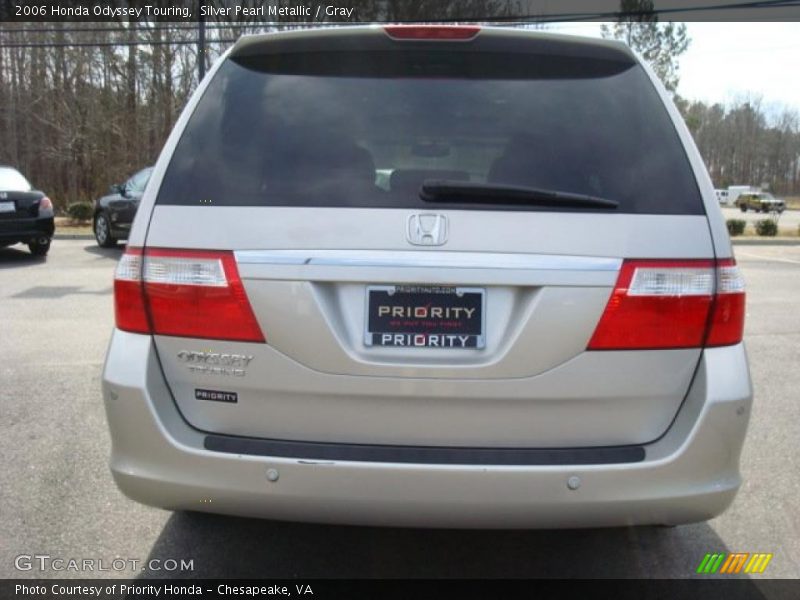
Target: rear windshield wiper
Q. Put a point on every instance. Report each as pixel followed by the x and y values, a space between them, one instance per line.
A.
pixel 467 191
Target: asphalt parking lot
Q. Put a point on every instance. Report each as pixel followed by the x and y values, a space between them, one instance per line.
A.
pixel 57 497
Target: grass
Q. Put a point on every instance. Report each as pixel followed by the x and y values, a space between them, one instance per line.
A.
pixel 750 235
pixel 783 232
pixel 792 202
pixel 750 232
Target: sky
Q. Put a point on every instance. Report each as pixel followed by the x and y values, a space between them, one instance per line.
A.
pixel 727 61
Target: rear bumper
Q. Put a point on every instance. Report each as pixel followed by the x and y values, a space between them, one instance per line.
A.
pixel 25 230
pixel 689 474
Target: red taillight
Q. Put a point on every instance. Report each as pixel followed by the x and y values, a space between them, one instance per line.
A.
pixel 432 32
pixel 184 293
pixel 45 205
pixel 672 304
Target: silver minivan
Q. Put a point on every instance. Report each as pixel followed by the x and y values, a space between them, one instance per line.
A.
pixel 448 276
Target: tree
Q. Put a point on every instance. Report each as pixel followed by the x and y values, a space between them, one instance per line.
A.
pixel 745 144
pixel 659 44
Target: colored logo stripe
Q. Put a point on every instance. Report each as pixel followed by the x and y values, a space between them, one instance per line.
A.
pixel 758 563
pixel 717 562
pixel 735 562
pixel 710 563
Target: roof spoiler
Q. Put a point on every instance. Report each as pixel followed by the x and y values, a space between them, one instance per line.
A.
pixel 372 38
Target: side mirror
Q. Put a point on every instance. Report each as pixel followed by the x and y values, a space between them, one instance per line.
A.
pixel 118 188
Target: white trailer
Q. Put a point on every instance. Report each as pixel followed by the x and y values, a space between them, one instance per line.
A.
pixel 735 191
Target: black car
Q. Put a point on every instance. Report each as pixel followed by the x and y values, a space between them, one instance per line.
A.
pixel 26 215
pixel 113 214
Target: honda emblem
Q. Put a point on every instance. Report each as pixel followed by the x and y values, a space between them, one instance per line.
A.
pixel 427 229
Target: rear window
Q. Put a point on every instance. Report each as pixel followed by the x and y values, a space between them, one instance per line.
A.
pixel 367 129
pixel 12 180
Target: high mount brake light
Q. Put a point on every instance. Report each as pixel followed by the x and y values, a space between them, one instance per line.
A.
pixel 184 293
pixel 658 304
pixel 432 32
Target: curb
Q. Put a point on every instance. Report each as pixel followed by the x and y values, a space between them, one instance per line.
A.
pixel 73 236
pixel 765 242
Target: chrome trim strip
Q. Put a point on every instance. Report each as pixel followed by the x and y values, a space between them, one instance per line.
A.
pixel 434 260
pixel 254 257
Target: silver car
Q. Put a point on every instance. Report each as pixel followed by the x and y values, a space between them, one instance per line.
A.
pixel 430 276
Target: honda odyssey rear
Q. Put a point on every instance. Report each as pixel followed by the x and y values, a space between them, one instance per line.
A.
pixel 437 276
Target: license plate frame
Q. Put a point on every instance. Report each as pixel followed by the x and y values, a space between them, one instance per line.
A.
pixel 453 330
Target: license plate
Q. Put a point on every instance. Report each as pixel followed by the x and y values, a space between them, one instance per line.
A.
pixel 7 207
pixel 416 316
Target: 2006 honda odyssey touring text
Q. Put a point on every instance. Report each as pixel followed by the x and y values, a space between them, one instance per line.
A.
pixel 430 276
